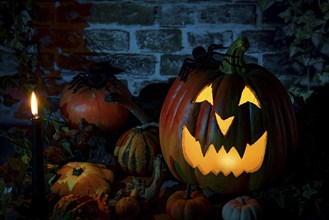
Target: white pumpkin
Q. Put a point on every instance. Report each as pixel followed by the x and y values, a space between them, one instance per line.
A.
pixel 242 208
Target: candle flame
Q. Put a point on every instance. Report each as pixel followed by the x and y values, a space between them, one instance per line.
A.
pixel 34 105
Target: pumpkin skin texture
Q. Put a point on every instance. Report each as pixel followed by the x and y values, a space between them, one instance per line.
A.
pixel 77 207
pixel 88 103
pixel 82 178
pixel 197 128
pixel 128 208
pixel 242 208
pixel 136 149
pixel 180 207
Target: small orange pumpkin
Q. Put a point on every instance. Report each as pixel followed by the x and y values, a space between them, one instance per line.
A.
pixel 82 178
pixel 186 205
pixel 128 208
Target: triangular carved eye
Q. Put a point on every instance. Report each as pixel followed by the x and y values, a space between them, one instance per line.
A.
pixel 248 95
pixel 205 95
pixel 224 124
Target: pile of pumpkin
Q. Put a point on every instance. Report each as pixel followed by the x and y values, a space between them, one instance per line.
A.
pixel 225 126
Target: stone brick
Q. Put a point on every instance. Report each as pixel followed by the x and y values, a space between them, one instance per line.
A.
pixel 226 14
pixel 207 38
pixel 70 39
pixel 74 61
pixel 103 39
pixel 42 14
pixel 171 64
pixel 277 64
pixel 122 13
pixel 262 41
pixel 176 14
pixel 165 40
pixel 72 12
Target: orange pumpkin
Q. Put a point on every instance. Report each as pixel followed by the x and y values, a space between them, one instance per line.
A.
pixel 186 205
pixel 84 97
pixel 78 207
pixel 128 208
pixel 82 178
pixel 230 130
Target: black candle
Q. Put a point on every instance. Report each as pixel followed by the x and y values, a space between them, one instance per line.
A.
pixel 39 205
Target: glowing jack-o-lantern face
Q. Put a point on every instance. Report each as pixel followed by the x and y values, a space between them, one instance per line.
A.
pixel 222 161
pixel 228 130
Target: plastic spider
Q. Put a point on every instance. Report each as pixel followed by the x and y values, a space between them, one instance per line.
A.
pixel 98 76
pixel 202 59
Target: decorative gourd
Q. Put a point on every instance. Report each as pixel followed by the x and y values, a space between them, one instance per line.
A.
pixel 84 97
pixel 82 178
pixel 128 208
pixel 187 205
pixel 77 207
pixel 242 208
pixel 136 150
pixel 229 130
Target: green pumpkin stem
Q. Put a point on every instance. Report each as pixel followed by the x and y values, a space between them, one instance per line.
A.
pixel 128 104
pixel 147 125
pixel 233 61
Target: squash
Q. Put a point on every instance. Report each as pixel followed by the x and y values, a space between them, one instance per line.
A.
pixel 232 129
pixel 187 205
pixel 135 150
pixel 242 208
pixel 82 178
pixel 84 98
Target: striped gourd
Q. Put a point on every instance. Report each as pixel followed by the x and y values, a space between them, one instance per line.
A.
pixel 135 151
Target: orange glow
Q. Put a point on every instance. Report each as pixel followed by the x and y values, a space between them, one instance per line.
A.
pixel 34 105
pixel 222 161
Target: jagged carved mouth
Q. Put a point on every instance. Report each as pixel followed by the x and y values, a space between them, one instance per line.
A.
pixel 222 161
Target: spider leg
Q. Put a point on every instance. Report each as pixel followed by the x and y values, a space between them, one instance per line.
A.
pixel 183 71
pixel 213 47
pixel 187 71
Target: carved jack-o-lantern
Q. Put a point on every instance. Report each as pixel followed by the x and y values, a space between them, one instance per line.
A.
pixel 228 130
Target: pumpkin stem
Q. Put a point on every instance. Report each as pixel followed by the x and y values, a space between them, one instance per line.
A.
pixel 128 104
pixel 134 193
pixel 233 61
pixel 188 191
pixel 77 171
pixel 144 126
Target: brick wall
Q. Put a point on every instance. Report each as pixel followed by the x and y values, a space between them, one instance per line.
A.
pixel 148 39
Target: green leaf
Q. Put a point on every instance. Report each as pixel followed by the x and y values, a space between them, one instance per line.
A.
pixel 316 39
pixel 265 4
pixel 66 146
pixel 286 15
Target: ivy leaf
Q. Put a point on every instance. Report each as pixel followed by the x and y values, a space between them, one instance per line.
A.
pixel 285 15
pixel 308 191
pixel 265 4
pixel 325 10
pixel 66 146
pixel 316 39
